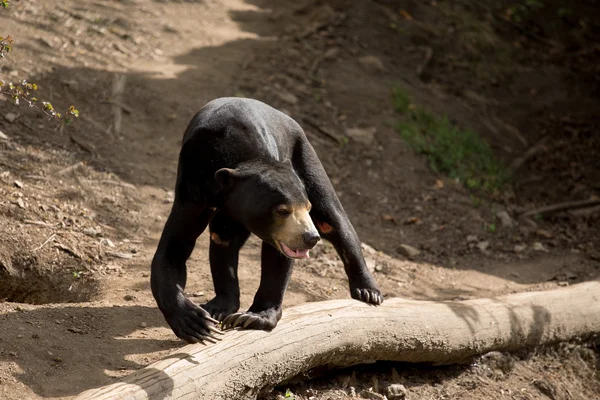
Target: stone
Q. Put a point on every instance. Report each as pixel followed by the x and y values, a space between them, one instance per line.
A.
pixel 10 117
pixel 544 234
pixel 92 231
pixel 537 246
pixel 519 248
pixel 332 53
pixel 371 63
pixel 396 391
pixel 362 135
pixel 408 251
pixel 287 97
pixel 483 246
pixel 505 219
pixel 3 136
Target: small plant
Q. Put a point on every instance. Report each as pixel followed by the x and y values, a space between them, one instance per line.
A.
pixel 23 91
pixel 520 12
pixel 289 394
pixel 459 153
pixel 5 45
pixel 401 99
pixel 564 12
pixel 490 227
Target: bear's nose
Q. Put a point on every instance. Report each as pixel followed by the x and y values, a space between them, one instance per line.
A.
pixel 311 238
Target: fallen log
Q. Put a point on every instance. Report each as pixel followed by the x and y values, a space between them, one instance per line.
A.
pixel 346 332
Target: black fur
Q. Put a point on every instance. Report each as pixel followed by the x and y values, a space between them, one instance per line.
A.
pixel 263 159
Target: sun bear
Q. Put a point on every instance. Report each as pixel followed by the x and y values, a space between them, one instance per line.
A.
pixel 245 167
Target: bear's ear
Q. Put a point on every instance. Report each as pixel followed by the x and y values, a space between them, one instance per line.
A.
pixel 225 177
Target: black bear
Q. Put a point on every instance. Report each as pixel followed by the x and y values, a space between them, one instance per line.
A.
pixel 245 167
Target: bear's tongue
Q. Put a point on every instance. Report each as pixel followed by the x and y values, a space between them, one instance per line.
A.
pixel 300 253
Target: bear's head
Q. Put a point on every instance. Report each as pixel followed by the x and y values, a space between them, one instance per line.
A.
pixel 270 200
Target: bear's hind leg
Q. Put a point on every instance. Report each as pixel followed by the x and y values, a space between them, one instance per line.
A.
pixel 226 239
pixel 265 312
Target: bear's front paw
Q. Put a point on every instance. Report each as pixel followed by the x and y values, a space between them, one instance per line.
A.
pixel 221 307
pixel 192 323
pixel 264 320
pixel 371 296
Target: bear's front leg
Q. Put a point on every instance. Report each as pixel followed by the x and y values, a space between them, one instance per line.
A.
pixel 188 321
pixel 334 226
pixel 226 239
pixel 265 312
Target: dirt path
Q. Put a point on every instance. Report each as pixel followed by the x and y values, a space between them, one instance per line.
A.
pixel 79 237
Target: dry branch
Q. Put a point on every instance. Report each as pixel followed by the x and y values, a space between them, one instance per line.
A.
pixel 531 152
pixel 346 332
pixel 117 92
pixel 569 205
pixel 71 168
pixel 426 61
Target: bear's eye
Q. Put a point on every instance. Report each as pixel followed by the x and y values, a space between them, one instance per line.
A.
pixel 283 212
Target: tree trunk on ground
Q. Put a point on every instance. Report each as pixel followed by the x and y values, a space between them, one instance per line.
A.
pixel 346 332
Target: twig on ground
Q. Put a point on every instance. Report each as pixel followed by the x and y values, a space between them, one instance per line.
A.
pixel 586 212
pixel 569 205
pixel 248 61
pixel 87 147
pixel 45 243
pixel 70 168
pixel 124 107
pixel 518 162
pixel 118 183
pixel 512 130
pixel 126 256
pixel 315 65
pixel 94 123
pixel 428 56
pixel 40 223
pixel 531 35
pixel 37 177
pixel 117 91
pixel 69 250
pixel 322 130
pixel 10 165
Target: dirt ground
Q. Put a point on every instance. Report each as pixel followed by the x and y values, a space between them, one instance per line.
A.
pixel 81 209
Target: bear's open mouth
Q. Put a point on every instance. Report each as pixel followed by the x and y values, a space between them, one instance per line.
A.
pixel 299 253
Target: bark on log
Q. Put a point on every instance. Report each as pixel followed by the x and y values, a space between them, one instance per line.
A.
pixel 346 332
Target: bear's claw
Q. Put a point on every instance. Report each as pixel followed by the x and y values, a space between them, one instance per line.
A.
pixel 237 319
pixel 368 296
pixel 203 338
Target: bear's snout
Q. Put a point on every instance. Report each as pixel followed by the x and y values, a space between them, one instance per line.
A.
pixel 311 239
